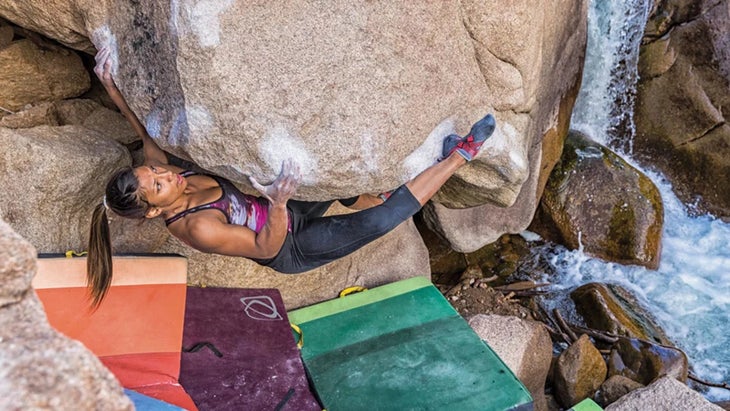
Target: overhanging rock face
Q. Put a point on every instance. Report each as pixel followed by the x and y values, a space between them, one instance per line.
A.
pixel 360 95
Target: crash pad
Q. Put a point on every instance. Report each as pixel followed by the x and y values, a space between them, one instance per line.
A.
pixel 402 346
pixel 145 403
pixel 586 405
pixel 239 353
pixel 137 330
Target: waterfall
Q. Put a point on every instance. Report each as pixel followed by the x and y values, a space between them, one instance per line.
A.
pixel 689 294
pixel 605 105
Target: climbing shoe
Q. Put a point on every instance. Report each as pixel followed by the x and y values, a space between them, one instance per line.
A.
pixel 386 195
pixel 469 146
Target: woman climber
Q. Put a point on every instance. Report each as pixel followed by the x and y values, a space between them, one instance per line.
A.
pixel 210 214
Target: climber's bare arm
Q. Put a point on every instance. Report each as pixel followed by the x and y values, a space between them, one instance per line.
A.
pixel 210 233
pixel 153 154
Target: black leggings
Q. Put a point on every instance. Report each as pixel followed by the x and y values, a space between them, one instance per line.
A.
pixel 316 240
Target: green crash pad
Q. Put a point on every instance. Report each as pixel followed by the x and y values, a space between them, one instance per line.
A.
pixel 402 347
pixel 586 405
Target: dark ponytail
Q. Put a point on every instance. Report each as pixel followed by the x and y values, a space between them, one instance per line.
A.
pixel 122 198
pixel 99 260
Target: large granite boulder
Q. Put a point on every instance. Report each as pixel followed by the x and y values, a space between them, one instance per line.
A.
pixel 50 203
pixel 30 75
pixel 82 112
pixel 361 96
pixel 53 177
pixel 597 201
pixel 63 21
pixel 682 94
pixel 549 106
pixel 664 394
pixel 524 346
pixel 39 367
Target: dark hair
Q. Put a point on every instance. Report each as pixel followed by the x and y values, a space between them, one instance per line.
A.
pixel 123 198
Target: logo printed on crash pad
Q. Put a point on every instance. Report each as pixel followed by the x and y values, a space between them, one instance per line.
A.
pixel 261 307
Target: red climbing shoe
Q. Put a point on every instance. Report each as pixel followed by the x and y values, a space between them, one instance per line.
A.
pixel 469 146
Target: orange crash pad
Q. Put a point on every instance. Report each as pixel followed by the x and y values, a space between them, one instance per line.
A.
pixel 137 330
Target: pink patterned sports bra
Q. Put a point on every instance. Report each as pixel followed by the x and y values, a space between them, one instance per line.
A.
pixel 239 208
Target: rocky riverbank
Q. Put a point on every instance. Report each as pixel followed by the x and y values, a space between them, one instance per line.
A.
pixel 606 347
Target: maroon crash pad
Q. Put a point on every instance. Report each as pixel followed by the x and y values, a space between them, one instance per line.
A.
pixel 239 352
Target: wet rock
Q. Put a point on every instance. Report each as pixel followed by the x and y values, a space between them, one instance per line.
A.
pixel 612 308
pixel 682 93
pixel 614 388
pixel 597 201
pixel 578 373
pixel 502 257
pixel 644 362
pixel 39 367
pixel 665 394
pixel 524 346
pixel 29 75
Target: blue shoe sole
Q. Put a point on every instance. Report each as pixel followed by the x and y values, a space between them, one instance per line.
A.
pixel 449 142
pixel 483 129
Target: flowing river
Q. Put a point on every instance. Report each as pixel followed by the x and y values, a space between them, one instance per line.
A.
pixel 689 294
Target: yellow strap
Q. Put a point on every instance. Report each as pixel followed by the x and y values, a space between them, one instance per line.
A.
pixel 351 290
pixel 298 330
pixel 72 253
